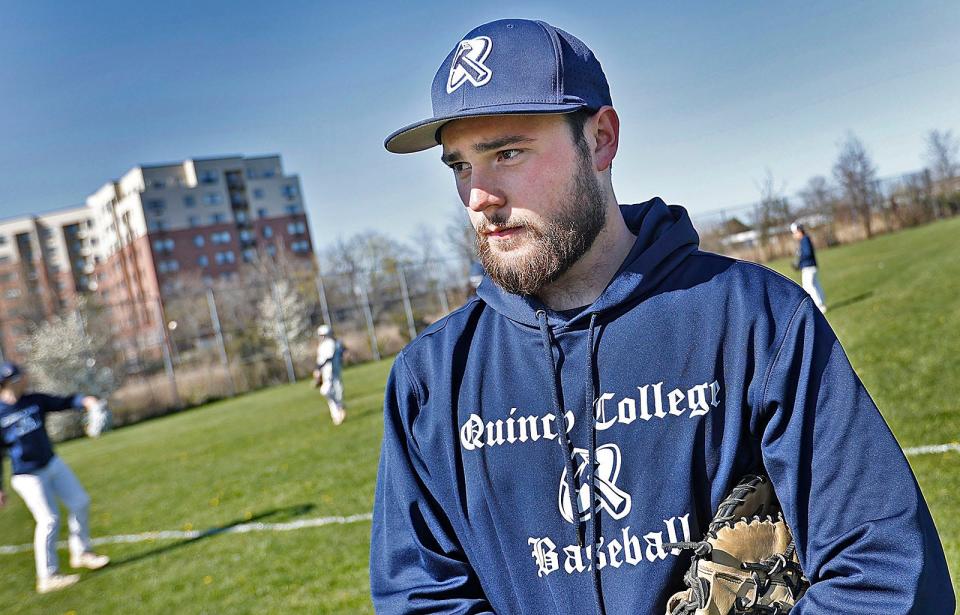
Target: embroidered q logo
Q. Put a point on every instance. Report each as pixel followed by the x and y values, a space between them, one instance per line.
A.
pixel 467 63
pixel 609 497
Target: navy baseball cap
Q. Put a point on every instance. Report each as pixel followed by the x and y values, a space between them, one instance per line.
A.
pixel 9 371
pixel 508 67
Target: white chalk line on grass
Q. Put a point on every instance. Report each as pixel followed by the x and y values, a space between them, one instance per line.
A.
pixel 245 528
pixel 932 448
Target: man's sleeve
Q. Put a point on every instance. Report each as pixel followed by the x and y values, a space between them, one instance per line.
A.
pixel 864 535
pixel 55 403
pixel 417 565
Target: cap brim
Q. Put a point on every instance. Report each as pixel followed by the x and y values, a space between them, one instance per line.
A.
pixel 423 135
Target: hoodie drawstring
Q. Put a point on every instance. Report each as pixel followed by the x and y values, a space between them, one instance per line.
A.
pixel 594 517
pixel 562 438
pixel 566 446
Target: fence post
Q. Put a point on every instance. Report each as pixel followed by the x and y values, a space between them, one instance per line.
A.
pixel 167 360
pixel 325 310
pixel 411 326
pixel 443 298
pixel 374 345
pixel 282 330
pixel 218 332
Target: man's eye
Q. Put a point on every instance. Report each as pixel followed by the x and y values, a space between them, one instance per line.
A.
pixel 509 154
pixel 459 167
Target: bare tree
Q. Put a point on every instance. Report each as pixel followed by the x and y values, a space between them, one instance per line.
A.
pixel 461 238
pixel 818 198
pixel 772 212
pixel 857 177
pixel 942 154
pixel 366 264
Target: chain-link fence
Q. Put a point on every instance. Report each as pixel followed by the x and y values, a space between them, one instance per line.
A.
pixel 201 343
pixel 761 231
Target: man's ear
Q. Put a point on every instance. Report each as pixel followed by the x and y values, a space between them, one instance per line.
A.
pixel 606 127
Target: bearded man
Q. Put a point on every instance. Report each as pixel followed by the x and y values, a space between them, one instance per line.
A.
pixel 546 444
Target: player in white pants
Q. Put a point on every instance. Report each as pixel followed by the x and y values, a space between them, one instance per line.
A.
pixel 806 262
pixel 327 373
pixel 41 478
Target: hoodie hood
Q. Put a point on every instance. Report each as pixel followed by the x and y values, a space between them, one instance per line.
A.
pixel 665 236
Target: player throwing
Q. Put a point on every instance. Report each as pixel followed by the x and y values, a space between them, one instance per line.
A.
pixel 41 478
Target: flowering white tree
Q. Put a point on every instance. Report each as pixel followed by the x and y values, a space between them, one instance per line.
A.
pixel 293 313
pixel 62 359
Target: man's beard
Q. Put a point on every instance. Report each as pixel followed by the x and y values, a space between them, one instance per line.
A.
pixel 557 243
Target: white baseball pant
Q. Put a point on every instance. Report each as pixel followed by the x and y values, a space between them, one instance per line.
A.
pixel 40 491
pixel 811 283
pixel 332 389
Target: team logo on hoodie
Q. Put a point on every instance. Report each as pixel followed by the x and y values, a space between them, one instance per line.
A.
pixel 610 498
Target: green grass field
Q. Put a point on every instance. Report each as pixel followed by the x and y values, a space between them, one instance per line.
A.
pixel 274 457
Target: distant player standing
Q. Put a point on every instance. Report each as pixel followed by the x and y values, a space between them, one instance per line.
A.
pixel 41 478
pixel 806 262
pixel 327 373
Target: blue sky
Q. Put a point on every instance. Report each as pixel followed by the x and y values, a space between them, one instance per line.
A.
pixel 710 94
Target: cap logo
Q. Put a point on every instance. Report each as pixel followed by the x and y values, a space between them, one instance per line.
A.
pixel 467 64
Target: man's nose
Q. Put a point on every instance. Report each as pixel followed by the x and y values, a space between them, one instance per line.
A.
pixel 483 197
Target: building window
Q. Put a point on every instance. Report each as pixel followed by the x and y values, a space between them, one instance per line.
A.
pixel 300 246
pixel 208 177
pixel 220 237
pixel 189 201
pixel 289 191
pixel 202 260
pixel 249 255
pixel 213 198
pixel 272 250
pixel 217 219
pixel 156 207
pixel 225 257
pixel 296 228
pixel 157 226
pixel 246 235
pixel 267 232
pixel 198 241
pixel 293 209
pixel 258 193
pixel 158 184
pixel 240 216
pixel 193 221
pixel 262 212
pixel 169 266
pixel 159 245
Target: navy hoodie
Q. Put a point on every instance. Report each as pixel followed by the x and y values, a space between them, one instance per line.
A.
pixel 696 369
pixel 23 429
pixel 805 254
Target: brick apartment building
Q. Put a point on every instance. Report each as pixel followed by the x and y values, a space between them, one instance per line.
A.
pixel 136 237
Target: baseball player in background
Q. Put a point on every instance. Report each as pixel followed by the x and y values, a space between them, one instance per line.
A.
pixel 41 478
pixel 806 262
pixel 327 373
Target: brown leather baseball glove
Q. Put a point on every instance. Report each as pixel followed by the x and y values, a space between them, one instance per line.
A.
pixel 746 563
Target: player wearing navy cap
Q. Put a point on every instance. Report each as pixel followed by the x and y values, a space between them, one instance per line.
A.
pixel 549 446
pixel 41 478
